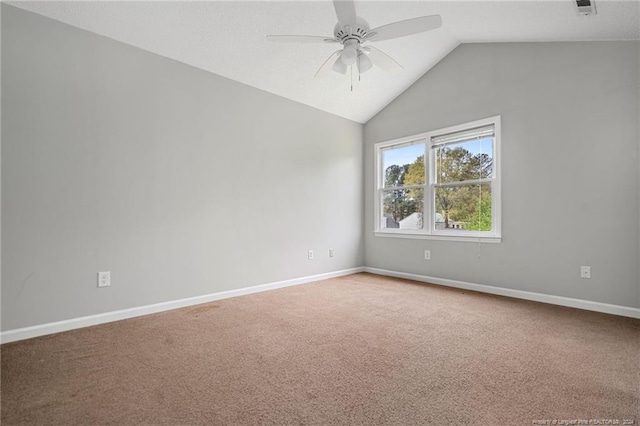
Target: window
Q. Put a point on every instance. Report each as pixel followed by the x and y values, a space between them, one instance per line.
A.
pixel 443 184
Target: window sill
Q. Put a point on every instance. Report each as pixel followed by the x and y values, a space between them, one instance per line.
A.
pixel 459 238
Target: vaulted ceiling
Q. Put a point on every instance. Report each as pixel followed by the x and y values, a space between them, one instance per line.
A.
pixel 228 38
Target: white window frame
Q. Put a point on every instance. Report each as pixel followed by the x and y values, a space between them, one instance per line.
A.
pixel 428 230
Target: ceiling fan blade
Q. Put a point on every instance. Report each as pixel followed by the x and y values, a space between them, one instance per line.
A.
pixel 328 64
pixel 364 63
pixel 382 60
pixel 301 39
pixel 340 67
pixel 345 11
pixel 405 28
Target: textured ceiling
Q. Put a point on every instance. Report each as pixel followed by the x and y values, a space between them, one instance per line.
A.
pixel 228 38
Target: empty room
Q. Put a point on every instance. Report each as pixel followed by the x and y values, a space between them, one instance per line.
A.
pixel 320 212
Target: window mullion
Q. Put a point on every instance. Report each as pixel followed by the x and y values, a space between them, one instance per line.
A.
pixel 429 201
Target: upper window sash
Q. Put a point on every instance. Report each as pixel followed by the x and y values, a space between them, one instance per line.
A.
pixel 386 150
pixel 463 156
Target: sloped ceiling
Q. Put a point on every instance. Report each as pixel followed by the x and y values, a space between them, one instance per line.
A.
pixel 228 38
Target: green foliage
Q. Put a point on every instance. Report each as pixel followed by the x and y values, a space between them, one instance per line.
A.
pixel 394 175
pixel 480 219
pixel 395 201
pixel 402 202
pixel 415 176
pixel 463 203
pixel 415 172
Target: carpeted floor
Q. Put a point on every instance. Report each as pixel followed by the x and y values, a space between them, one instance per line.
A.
pixel 356 350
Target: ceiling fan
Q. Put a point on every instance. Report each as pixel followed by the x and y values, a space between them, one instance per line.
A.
pixel 353 32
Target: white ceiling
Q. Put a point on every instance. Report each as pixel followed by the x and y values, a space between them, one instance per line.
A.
pixel 228 38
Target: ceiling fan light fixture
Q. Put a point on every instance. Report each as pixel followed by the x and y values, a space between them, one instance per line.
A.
pixel 350 53
pixel 364 63
pixel 340 67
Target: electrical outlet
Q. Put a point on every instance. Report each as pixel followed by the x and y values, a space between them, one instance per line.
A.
pixel 104 279
pixel 332 253
pixel 585 272
pixel 427 255
pixel 310 254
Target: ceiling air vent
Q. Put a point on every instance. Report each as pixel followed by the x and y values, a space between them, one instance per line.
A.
pixel 586 7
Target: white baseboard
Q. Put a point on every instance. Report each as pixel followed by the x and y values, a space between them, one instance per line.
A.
pixel 518 294
pixel 74 323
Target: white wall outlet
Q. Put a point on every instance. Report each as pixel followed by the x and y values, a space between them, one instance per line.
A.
pixel 332 253
pixel 585 272
pixel 104 279
pixel 310 254
pixel 427 255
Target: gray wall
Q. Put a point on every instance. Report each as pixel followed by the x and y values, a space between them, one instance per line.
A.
pixel 570 144
pixel 183 183
pixel 0 170
pixel 179 182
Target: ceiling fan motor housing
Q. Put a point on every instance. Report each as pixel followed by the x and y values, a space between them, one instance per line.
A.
pixel 346 32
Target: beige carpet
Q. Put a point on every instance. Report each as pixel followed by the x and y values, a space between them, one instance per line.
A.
pixel 357 350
